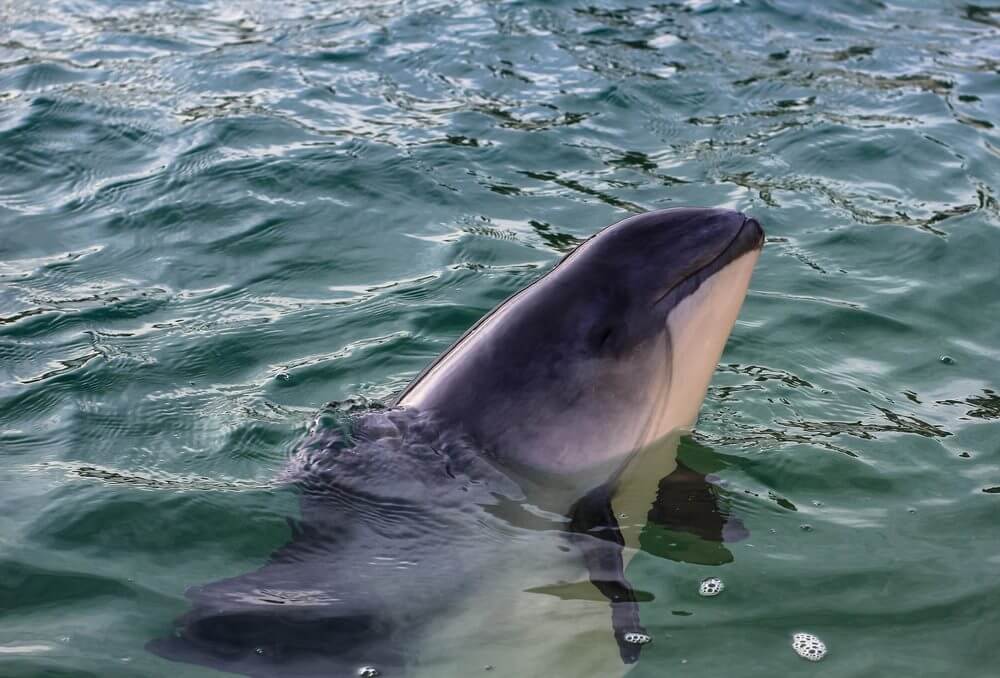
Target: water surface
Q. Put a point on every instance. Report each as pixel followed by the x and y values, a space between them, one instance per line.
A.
pixel 218 216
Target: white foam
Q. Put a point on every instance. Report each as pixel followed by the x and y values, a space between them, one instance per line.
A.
pixel 712 586
pixel 808 646
pixel 637 638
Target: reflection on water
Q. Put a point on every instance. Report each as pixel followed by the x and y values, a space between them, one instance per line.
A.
pixel 690 520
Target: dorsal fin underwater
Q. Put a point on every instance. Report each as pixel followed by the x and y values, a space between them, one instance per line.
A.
pixel 494 484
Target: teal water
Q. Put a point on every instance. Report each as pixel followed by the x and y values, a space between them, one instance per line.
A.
pixel 218 216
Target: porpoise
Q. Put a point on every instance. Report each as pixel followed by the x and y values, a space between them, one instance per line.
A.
pixel 447 530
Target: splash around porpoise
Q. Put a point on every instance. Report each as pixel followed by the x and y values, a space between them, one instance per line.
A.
pixel 495 474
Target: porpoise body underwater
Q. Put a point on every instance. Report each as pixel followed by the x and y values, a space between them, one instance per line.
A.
pixel 475 521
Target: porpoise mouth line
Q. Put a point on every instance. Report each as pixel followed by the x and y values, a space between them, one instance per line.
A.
pixel 725 250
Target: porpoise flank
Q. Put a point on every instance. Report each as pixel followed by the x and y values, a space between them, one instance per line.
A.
pixel 476 518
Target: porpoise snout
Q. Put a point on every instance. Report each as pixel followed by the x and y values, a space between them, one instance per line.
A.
pixel 753 228
pixel 750 236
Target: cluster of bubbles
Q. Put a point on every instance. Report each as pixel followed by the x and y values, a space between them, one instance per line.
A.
pixel 808 646
pixel 712 586
pixel 805 644
pixel 637 638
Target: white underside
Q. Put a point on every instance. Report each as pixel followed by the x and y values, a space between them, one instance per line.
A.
pixel 525 634
pixel 699 327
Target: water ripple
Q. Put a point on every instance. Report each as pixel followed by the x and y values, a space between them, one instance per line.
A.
pixel 217 218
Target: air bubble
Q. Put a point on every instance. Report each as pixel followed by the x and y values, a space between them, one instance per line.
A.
pixel 369 672
pixel 808 646
pixel 637 638
pixel 947 360
pixel 712 586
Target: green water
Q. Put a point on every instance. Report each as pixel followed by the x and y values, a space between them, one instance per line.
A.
pixel 217 216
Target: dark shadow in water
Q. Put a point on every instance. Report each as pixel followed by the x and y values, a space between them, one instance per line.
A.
pixel 584 590
pixel 690 521
pixel 985 406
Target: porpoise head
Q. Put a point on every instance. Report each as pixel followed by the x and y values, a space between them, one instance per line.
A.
pixel 609 351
